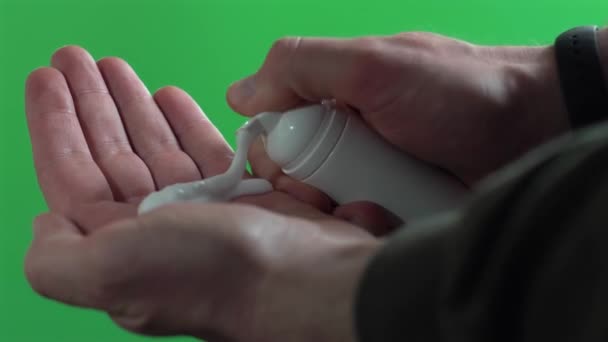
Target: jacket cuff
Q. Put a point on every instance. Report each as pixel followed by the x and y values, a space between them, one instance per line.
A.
pixel 397 298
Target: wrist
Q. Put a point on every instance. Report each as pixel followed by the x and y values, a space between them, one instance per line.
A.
pixel 536 97
pixel 336 284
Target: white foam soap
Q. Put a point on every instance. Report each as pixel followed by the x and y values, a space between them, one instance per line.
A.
pixel 223 187
pixel 334 152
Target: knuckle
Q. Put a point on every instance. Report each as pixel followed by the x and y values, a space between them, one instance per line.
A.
pixel 416 38
pixel 165 149
pixel 368 69
pixel 284 45
pixel 35 275
pixel 368 51
pixel 433 43
pixel 283 49
pixel 138 319
pixel 222 158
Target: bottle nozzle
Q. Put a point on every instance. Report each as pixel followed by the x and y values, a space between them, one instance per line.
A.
pixel 262 124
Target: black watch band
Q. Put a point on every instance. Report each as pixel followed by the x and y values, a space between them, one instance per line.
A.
pixel 582 80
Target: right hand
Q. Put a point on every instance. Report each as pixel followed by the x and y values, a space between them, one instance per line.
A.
pixel 468 109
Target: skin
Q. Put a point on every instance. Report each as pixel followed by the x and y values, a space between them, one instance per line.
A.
pixel 495 103
pixel 94 165
pixel 285 265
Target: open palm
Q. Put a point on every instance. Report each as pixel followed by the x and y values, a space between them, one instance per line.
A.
pixel 101 142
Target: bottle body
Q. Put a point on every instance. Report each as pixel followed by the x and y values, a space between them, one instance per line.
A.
pixel 363 167
pixel 350 162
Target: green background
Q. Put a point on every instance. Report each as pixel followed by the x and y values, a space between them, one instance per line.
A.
pixel 201 46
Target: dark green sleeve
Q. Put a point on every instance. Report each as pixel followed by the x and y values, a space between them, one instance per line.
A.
pixel 527 260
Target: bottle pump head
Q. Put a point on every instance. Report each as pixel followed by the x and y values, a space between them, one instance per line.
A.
pixel 300 139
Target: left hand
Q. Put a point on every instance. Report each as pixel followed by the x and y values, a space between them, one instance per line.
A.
pixel 101 143
pixel 220 272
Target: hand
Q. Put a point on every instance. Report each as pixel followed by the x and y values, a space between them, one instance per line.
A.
pixel 468 109
pixel 101 142
pixel 220 272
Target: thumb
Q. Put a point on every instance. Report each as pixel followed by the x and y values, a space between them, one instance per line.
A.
pixel 55 227
pixel 301 70
pixel 53 261
pixel 62 264
pixel 377 220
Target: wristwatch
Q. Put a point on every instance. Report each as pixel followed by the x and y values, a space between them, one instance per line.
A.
pixel 583 86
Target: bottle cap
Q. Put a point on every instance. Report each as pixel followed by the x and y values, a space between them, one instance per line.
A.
pixel 303 138
pixel 293 133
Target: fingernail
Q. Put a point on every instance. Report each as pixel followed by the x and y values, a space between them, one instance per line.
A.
pixel 241 91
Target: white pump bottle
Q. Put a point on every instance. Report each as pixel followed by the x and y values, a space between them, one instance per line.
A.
pixel 338 154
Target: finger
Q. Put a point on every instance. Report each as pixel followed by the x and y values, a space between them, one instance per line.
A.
pixel 65 168
pixel 92 216
pixel 126 173
pixel 58 263
pixel 262 166
pixel 371 217
pixel 282 203
pixel 148 129
pixel 199 138
pixel 352 71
